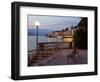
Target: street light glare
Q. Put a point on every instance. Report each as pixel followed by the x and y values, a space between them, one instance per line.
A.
pixel 37 23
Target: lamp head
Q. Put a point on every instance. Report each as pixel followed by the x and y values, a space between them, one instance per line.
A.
pixel 37 23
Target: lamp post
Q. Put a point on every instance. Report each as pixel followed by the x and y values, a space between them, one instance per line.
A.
pixel 37 24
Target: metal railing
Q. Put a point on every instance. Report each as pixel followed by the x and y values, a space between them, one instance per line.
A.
pixel 47 49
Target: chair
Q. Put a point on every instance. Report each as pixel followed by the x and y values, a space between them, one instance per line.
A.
pixel 72 56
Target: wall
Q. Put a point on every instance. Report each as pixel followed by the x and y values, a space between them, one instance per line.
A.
pixel 5 40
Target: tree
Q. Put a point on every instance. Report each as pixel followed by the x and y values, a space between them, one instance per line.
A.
pixel 80 35
pixel 66 29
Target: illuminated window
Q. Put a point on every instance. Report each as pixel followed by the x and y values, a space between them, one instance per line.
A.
pixel 67 39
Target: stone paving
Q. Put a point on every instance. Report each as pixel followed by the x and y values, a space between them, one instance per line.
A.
pixel 60 58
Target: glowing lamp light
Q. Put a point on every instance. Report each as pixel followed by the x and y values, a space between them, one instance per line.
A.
pixel 37 23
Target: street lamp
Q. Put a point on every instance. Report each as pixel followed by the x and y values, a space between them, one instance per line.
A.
pixel 37 24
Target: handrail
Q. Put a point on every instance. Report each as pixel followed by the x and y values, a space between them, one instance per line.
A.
pixel 31 51
pixel 52 44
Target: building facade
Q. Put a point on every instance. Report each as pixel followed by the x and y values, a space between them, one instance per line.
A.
pixel 61 36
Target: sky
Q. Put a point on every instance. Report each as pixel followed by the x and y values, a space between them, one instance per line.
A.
pixel 52 22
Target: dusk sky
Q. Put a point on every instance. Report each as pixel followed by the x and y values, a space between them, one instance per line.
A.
pixel 52 22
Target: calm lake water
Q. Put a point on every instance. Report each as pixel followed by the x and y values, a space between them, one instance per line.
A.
pixel 32 41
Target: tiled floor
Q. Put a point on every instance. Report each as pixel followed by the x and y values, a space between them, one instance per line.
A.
pixel 60 58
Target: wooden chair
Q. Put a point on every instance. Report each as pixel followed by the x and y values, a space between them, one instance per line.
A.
pixel 73 56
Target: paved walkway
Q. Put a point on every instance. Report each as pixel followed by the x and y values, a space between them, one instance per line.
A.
pixel 60 58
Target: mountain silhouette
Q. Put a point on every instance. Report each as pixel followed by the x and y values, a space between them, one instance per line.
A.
pixel 41 32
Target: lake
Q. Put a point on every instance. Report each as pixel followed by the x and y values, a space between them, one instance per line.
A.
pixel 32 41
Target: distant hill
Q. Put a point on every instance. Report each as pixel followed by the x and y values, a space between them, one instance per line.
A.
pixel 41 32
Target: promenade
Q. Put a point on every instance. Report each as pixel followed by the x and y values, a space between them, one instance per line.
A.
pixel 60 58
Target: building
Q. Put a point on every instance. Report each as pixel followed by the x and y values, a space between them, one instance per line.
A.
pixel 65 36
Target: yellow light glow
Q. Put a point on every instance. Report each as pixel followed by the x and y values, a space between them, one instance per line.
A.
pixel 68 39
pixel 68 36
